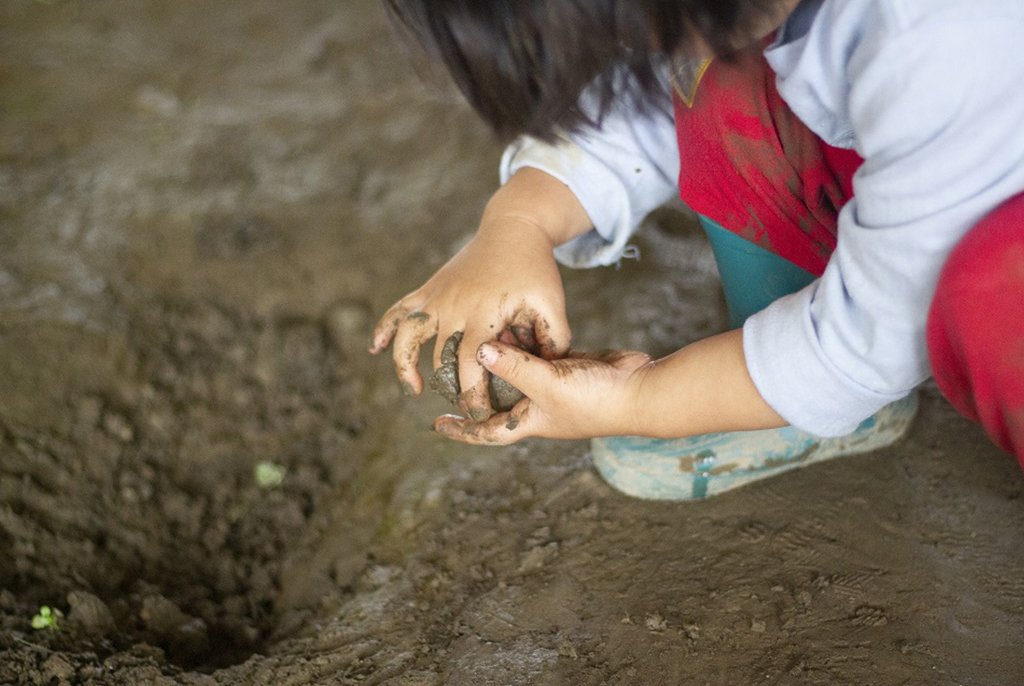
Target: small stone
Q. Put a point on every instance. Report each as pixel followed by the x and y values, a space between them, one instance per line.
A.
pixel 87 672
pixel 183 634
pixel 90 613
pixel 566 649
pixel 118 427
pixel 56 667
pixel 536 557
pixel 758 626
pixel 655 622
pixel 163 616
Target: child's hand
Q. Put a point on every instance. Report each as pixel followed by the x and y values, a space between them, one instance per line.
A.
pixel 504 284
pixel 581 396
pixel 502 281
pixel 701 388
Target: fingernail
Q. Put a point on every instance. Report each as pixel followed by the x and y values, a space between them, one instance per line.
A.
pixel 478 415
pixel 444 429
pixel 487 354
pixel 408 389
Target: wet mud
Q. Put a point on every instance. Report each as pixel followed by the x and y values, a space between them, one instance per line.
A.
pixel 203 209
pixel 445 379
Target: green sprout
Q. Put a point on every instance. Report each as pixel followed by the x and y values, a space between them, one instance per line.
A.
pixel 268 475
pixel 46 618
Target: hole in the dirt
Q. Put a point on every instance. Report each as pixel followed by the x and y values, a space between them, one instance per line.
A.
pixel 187 640
pixel 141 620
pixel 204 609
pixel 192 568
pixel 172 535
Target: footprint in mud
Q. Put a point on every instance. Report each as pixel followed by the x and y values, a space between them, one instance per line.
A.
pixel 445 380
pixel 869 615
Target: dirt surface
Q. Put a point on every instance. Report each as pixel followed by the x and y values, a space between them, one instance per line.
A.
pixel 202 208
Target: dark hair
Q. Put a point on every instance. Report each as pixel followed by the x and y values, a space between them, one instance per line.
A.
pixel 522 64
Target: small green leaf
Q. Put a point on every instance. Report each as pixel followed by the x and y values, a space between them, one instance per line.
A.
pixel 46 618
pixel 269 475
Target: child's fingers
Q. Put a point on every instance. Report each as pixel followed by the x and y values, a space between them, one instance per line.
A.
pixel 413 330
pixel 499 429
pixel 509 338
pixel 552 334
pixel 520 331
pixel 474 398
pixel 385 329
pixel 389 324
pixel 528 373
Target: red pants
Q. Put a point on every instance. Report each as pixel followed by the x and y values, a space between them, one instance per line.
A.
pixel 976 326
pixel 752 166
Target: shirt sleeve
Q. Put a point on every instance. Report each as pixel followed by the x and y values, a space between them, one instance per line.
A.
pixel 940 131
pixel 620 171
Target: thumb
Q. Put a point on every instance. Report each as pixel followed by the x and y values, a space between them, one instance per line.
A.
pixel 526 372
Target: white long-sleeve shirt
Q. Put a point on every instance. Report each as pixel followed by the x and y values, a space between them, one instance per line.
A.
pixel 931 94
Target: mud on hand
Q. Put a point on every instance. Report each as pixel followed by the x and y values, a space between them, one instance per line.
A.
pixel 445 379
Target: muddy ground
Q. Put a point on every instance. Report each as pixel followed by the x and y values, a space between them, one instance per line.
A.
pixel 202 207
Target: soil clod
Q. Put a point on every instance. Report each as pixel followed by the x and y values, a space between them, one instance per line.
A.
pixel 445 380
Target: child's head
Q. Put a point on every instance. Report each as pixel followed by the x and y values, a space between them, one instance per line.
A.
pixel 523 63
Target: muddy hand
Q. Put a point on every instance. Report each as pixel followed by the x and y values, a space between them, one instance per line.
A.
pixel 408 328
pixel 445 379
pixel 506 277
pixel 581 396
pixel 482 393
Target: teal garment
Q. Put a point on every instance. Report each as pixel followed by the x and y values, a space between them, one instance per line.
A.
pixel 701 466
pixel 752 277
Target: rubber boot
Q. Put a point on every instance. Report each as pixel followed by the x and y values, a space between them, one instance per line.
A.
pixel 699 466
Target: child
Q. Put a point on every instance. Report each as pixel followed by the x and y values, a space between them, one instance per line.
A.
pixel 866 154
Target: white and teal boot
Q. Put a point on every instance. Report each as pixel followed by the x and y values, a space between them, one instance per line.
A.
pixel 700 466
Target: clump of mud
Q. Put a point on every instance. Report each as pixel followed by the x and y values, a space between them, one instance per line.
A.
pixel 445 380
